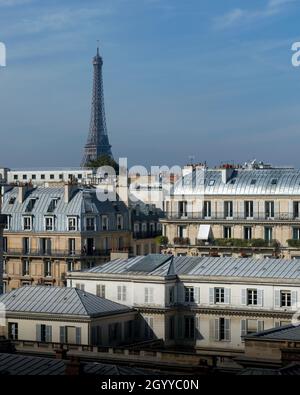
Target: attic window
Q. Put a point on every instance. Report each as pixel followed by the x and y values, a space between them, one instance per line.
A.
pixel 233 181
pixel 12 200
pixel 52 205
pixel 253 182
pixel 211 183
pixel 30 205
pixel 274 181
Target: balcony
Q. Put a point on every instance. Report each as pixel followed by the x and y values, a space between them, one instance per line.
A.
pixel 67 254
pixel 146 235
pixel 239 216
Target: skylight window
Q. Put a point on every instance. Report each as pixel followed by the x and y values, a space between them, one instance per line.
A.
pixel 274 181
pixel 233 181
pixel 52 205
pixel 211 183
pixel 253 182
pixel 12 200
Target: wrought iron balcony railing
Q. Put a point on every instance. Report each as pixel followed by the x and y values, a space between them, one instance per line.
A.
pixel 146 235
pixel 221 216
pixel 56 253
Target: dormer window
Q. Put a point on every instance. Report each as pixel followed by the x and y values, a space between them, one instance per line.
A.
pixel 90 223
pixel 49 223
pixel 72 224
pixel 30 205
pixel 27 223
pixel 12 200
pixel 211 183
pixel 52 205
pixel 274 181
pixel 253 182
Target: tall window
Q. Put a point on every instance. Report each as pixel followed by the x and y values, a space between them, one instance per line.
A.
pixel 207 209
pixel 296 209
pixel 171 295
pixel 7 224
pixel 4 244
pixel 27 223
pixel 181 231
pixel 149 295
pixel 247 233
pixel 47 268
pixel 72 246
pixel 252 297
pixel 227 232
pixel 189 295
pixel 285 299
pixel 249 209
pixel 104 222
pixel 189 327
pixel 49 223
pixel 90 224
pixel 13 331
pixel 26 245
pixel 72 224
pixel 268 233
pixel 182 209
pixel 171 328
pixel 269 209
pixel 100 291
pixel 296 233
pixel 122 293
pixel 228 209
pixel 219 295
pixel 26 267
pixel 120 222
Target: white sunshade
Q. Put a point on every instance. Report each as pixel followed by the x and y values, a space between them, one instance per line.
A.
pixel 204 231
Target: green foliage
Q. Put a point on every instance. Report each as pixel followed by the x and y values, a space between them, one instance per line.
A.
pixel 162 240
pixel 245 243
pixel 104 160
pixel 293 243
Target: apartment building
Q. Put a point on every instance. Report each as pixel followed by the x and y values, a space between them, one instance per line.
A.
pixel 52 230
pixel 199 302
pixel 251 210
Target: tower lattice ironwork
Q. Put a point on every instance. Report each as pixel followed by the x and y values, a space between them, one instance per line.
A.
pixel 97 143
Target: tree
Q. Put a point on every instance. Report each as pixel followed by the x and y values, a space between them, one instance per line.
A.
pixel 162 240
pixel 104 160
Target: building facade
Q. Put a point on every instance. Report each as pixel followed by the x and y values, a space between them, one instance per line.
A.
pixel 52 230
pixel 199 302
pixel 251 210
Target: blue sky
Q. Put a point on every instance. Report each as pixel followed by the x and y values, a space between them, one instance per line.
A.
pixel 206 78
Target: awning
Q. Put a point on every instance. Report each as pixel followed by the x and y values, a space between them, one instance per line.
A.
pixel 204 232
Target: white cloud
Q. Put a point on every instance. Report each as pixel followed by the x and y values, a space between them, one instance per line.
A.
pixel 235 16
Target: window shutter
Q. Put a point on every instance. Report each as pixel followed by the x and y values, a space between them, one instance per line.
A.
pixel 260 326
pixel 294 299
pixel 146 295
pixel 227 295
pixel 212 329
pixel 78 335
pixel 62 334
pixel 217 330
pixel 211 296
pixel 38 332
pixel 119 292
pixel 227 329
pixel 277 324
pixel 77 286
pixel 277 299
pixel 124 293
pixel 244 297
pixel 151 295
pixel 98 290
pixel 260 297
pixel 242 210
pixel 197 328
pixel 181 294
pixel 243 328
pixel 180 327
pixel 48 333
pixel 197 295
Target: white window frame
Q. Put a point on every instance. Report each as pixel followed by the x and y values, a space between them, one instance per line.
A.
pixel 47 218
pixel 8 221
pixel 149 295
pixel 122 293
pixel 27 217
pixel 72 226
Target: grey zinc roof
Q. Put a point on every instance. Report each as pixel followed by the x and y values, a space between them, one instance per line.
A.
pixel 60 301
pixel 209 182
pixel 163 265
pixel 287 332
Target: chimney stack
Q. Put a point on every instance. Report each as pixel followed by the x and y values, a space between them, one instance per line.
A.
pixel 22 190
pixel 69 189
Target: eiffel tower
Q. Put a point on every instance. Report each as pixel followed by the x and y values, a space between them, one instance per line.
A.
pixel 97 143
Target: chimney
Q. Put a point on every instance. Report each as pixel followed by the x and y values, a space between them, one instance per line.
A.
pixel 73 367
pixel 226 173
pixel 69 189
pixel 22 190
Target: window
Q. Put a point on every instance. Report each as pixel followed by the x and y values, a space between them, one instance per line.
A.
pixel 247 233
pixel 27 223
pixel 296 209
pixel 16 177
pixel 189 295
pixel 4 244
pixel 171 295
pixel 219 295
pixel 269 210
pixel 80 286
pixel 7 223
pixel 172 328
pixel 42 176
pixel 70 264
pixel 119 222
pixel 189 327
pixel 268 233
pixel 49 223
pixel 207 209
pixel 72 224
pixel 211 183
pixel 251 297
pixel 4 266
pixel 296 233
pixel 90 223
pixel 249 209
pixel 104 222
pixel 30 205
pixel 274 181
pixel 115 332
pixel 72 246
pixel 52 205
pixel 220 329
pixel 182 231
pixel 121 293
pixel 285 299
pixel 182 209
pixel 100 291
pixel 26 267
pixel 228 209
pixel 149 295
pixel 253 182
pixel 13 331
pixel 79 176
pixel 24 177
pixel 47 268
pixel 251 326
pixel 12 200
pixel 227 232
pixel 33 177
pixel 51 176
pixel 45 246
